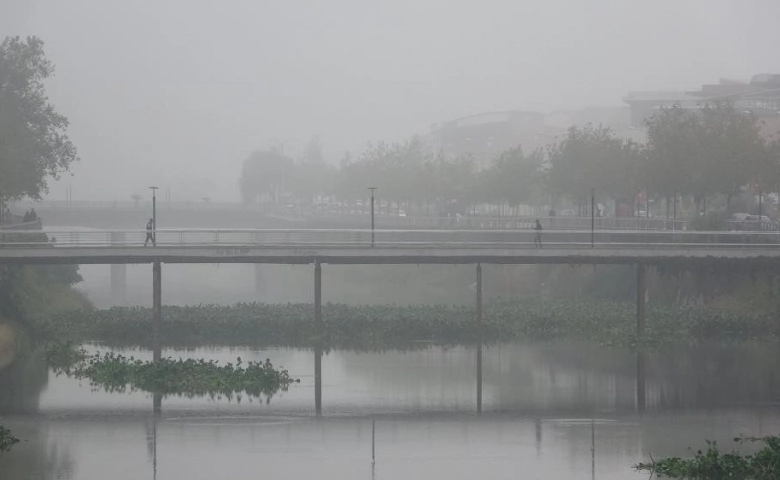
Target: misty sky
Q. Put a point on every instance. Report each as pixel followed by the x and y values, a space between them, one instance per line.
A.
pixel 178 92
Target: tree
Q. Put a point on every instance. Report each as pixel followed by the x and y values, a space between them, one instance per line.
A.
pixel 733 152
pixel 33 141
pixel 715 149
pixel 513 178
pixel 593 158
pixel 311 176
pixel 672 150
pixel 313 151
pixel 264 173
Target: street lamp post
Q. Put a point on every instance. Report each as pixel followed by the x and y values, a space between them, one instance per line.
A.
pixel 154 213
pixel 373 189
pixel 592 217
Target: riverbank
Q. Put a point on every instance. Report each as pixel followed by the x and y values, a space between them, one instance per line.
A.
pixel 393 326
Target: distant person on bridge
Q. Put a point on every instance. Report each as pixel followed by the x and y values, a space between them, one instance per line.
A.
pixel 538 236
pixel 33 215
pixel 150 233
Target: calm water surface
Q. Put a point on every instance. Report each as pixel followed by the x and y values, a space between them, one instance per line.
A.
pixel 550 411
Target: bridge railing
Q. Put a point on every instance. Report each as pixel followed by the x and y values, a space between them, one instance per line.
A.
pixel 511 223
pixel 387 238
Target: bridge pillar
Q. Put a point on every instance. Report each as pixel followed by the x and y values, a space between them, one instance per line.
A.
pixel 479 338
pixel 319 329
pixel 118 274
pixel 156 310
pixel 641 298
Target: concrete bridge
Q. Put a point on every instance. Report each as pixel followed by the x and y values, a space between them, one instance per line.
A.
pixel 322 247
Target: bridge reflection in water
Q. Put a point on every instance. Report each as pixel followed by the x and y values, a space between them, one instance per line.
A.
pixel 318 247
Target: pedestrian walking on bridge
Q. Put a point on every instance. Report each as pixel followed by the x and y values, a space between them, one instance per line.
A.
pixel 150 233
pixel 538 235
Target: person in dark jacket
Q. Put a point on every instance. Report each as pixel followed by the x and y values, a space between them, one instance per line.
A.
pixel 150 233
pixel 538 235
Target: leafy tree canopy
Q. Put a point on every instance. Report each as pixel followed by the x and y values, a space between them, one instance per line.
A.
pixel 33 141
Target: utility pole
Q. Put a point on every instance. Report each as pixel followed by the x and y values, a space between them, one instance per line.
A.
pixel 373 189
pixel 154 213
pixel 592 217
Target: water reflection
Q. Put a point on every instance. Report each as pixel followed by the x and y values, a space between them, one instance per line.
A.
pixel 21 384
pixel 641 380
pixel 551 411
pixel 151 436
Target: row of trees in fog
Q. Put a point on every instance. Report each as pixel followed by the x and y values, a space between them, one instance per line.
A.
pixel 714 150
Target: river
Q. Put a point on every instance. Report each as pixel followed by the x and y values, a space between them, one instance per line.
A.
pixel 549 411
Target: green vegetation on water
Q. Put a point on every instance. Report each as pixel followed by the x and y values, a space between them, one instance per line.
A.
pixel 391 326
pixel 6 439
pixel 712 465
pixel 117 373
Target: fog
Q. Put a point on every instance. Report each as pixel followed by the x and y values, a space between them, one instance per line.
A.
pixel 179 92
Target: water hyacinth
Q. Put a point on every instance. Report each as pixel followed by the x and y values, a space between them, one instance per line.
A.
pixel 392 326
pixel 712 464
pixel 114 372
pixel 7 441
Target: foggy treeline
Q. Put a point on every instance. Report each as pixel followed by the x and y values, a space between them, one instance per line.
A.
pixel 705 154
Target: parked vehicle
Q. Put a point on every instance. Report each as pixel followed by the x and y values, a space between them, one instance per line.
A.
pixel 746 221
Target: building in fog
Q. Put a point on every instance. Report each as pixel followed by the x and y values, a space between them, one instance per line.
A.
pixel 760 96
pixel 485 135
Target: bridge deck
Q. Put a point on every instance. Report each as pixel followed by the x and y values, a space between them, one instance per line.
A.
pixel 411 254
pixel 390 246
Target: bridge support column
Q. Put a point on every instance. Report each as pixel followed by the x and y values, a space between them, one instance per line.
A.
pixel 118 274
pixel 641 298
pixel 318 349
pixel 479 338
pixel 156 310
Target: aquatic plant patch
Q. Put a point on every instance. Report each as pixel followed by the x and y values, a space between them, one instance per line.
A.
pixel 711 464
pixel 186 377
pixel 393 326
pixel 7 441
